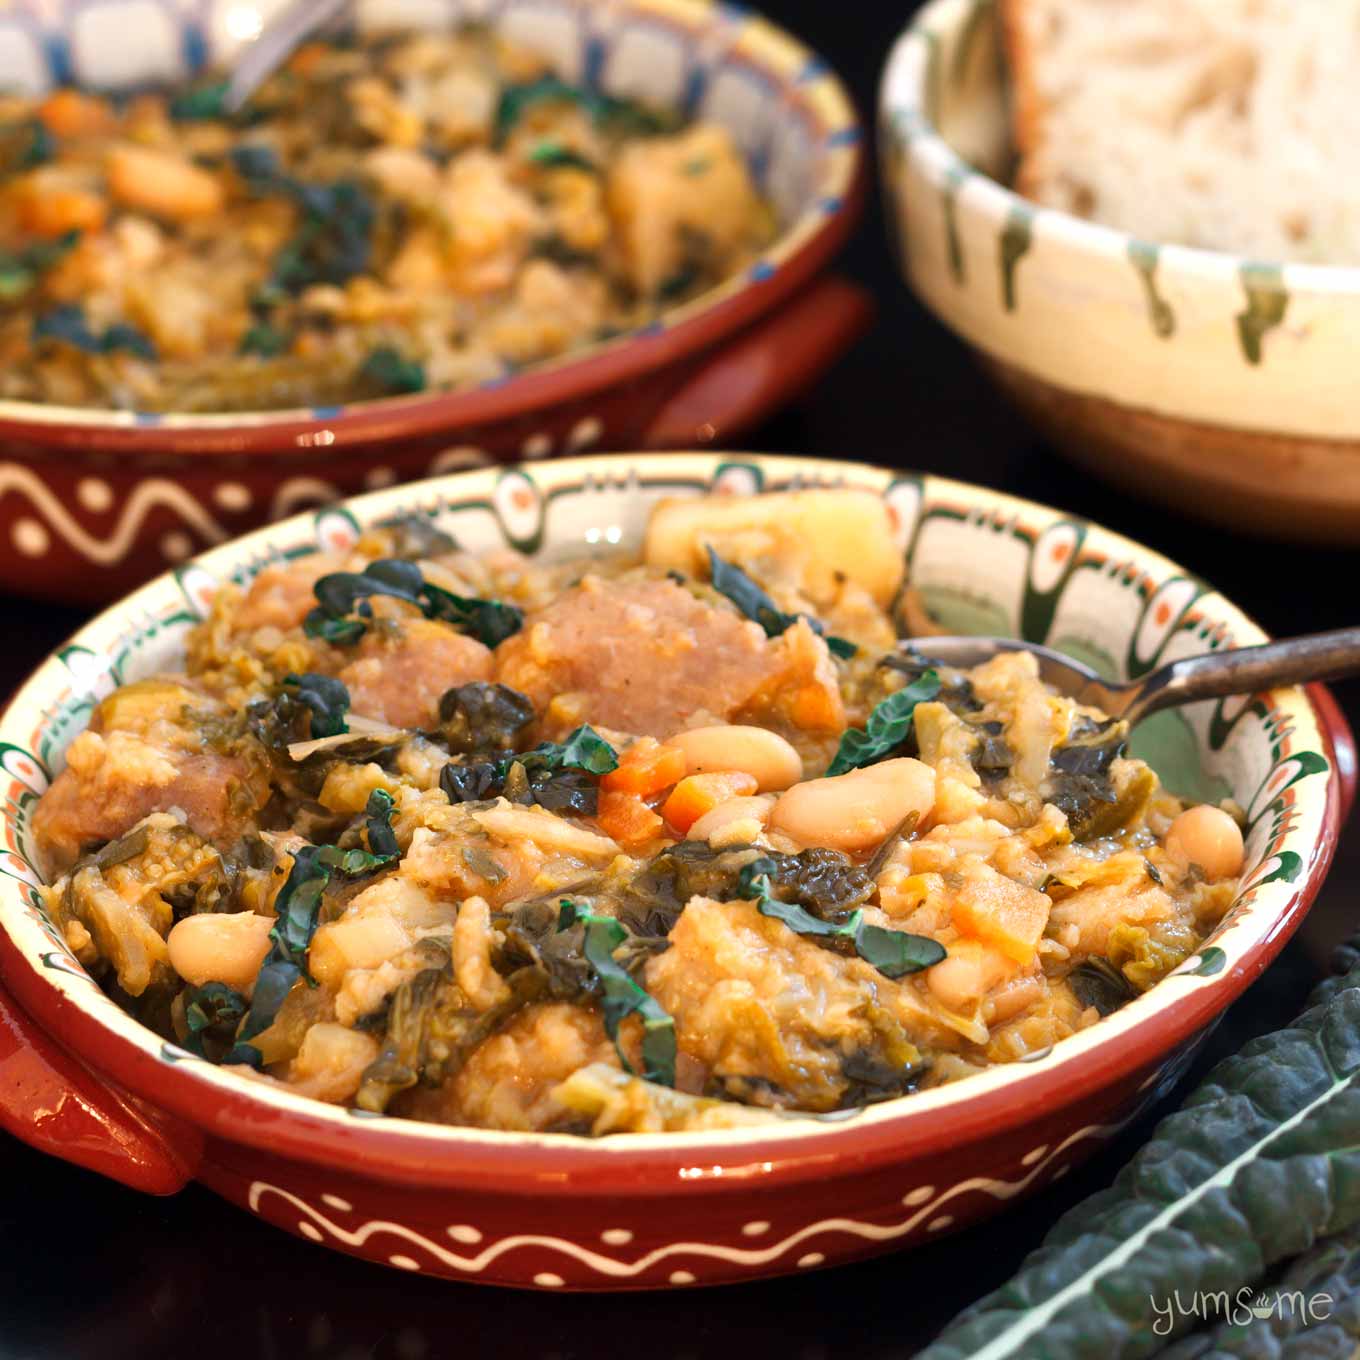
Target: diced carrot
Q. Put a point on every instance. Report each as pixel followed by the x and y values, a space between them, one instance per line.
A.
pixel 645 768
pixel 1004 914
pixel 49 210
pixel 68 113
pixel 697 794
pixel 624 817
pixel 304 61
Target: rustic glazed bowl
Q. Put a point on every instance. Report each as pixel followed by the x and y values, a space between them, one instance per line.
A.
pixel 94 502
pixel 1219 384
pixel 83 1080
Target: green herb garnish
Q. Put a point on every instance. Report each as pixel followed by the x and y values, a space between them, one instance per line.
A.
pixel 1098 983
pixel 889 725
pixel 894 953
pixel 20 270
pixel 342 614
pixel 751 599
pixel 327 698
pixel 621 995
pixel 392 373
pixel 297 906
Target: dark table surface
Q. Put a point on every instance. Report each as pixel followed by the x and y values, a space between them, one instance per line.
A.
pixel 88 1269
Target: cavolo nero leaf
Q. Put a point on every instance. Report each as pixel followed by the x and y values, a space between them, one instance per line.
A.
pixel 327 698
pixel 888 726
pixel 20 270
pixel 751 599
pixel 895 953
pixel 297 906
pixel 551 775
pixel 1260 1164
pixel 621 995
pixel 342 613
pixel 211 1014
pixel 382 840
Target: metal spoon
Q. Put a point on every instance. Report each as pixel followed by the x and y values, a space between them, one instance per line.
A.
pixel 1242 670
pixel 264 54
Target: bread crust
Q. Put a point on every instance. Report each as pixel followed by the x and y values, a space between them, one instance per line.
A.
pixel 1028 110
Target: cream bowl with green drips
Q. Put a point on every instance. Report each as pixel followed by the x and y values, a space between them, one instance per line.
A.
pixel 1216 383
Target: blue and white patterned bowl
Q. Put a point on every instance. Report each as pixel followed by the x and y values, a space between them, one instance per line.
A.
pixel 1222 384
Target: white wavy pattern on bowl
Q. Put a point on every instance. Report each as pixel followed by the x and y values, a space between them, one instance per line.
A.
pixel 925 1200
pixel 1202 335
pixel 720 62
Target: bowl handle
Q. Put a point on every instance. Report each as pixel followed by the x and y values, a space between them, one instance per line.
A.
pixel 763 366
pixel 56 1104
pixel 1337 727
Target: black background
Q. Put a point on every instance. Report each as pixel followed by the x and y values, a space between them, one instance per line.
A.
pixel 88 1269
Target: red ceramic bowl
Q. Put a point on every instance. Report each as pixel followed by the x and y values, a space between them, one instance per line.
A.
pixel 94 502
pixel 84 1081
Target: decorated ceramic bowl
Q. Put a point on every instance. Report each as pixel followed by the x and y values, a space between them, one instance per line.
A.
pixel 86 1082
pixel 1220 384
pixel 94 502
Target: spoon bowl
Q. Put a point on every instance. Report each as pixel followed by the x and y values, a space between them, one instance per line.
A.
pixel 1215 675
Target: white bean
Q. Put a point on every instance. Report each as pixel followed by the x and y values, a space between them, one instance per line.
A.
pixel 755 810
pixel 220 947
pixel 959 981
pixel 855 811
pixel 1207 836
pixel 762 754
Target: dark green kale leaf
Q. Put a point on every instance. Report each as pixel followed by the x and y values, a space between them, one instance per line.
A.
pixel 67 325
pixel 212 1012
pixel 20 270
pixel 297 906
pixel 265 340
pixel 202 102
pixel 1079 771
pixel 889 725
pixel 895 953
pixel 382 840
pixel 555 156
pixel 333 240
pixel 623 117
pixel 752 600
pixel 326 697
pixel 25 145
pixel 956 689
pixel 873 1078
pixel 621 995
pixel 391 373
pixel 430 1030
pixel 342 614
pixel 1098 983
pixel 415 535
pixel 1261 1163
pixel 562 777
pixel 480 718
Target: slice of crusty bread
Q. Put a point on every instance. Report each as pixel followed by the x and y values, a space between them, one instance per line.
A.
pixel 1228 124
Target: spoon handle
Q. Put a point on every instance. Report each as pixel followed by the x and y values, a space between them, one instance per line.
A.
pixel 1249 670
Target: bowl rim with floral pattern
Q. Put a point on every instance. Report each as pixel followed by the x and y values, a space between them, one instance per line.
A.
pixel 1289 848
pixel 786 69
